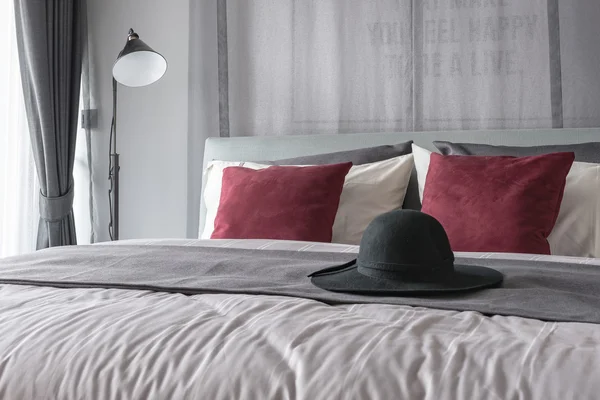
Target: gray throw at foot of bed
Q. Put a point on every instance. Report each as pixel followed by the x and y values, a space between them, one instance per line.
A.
pixel 532 289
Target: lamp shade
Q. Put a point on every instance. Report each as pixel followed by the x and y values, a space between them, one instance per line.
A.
pixel 137 64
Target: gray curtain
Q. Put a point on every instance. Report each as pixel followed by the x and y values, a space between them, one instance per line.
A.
pixel 50 43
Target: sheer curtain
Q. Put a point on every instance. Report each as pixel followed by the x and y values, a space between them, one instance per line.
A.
pixel 19 187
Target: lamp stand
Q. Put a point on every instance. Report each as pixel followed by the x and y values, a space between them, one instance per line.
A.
pixel 113 173
pixel 133 71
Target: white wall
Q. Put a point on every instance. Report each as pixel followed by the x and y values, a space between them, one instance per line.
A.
pixel 152 120
pixel 203 99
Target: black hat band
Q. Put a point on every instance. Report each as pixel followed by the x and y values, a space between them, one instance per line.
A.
pixel 394 271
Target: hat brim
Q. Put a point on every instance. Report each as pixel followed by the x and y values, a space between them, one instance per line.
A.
pixel 347 279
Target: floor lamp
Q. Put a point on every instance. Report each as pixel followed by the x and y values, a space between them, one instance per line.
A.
pixel 137 65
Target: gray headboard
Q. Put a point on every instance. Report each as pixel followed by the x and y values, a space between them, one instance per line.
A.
pixel 257 148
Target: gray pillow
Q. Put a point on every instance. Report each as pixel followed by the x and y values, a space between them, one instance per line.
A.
pixel 356 157
pixel 584 152
pixel 364 156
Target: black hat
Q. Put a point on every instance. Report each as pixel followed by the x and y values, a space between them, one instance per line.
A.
pixel 405 253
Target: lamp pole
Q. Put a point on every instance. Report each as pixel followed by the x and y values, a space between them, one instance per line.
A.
pixel 113 173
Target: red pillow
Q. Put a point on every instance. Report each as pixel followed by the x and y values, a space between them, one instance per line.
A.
pixel 287 203
pixel 497 204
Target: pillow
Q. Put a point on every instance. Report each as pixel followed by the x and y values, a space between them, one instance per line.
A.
pixel 499 204
pixel 584 152
pixel 360 157
pixel 577 230
pixel 421 158
pixel 356 157
pixel 285 203
pixel 369 190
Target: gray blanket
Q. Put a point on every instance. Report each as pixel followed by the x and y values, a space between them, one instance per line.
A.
pixel 532 289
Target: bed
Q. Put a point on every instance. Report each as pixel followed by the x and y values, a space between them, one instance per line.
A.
pixel 136 341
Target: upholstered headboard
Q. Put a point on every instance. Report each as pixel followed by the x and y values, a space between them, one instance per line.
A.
pixel 262 148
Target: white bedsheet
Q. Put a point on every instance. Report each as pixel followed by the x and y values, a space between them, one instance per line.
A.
pixel 122 344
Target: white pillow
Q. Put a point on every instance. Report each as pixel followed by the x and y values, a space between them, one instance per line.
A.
pixel 577 229
pixel 421 160
pixel 369 190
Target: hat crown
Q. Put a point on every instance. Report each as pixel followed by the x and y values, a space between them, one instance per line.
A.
pixel 405 241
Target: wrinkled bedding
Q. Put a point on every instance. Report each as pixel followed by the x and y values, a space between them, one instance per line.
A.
pixel 134 344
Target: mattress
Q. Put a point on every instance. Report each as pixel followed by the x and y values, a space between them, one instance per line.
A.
pixel 134 344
